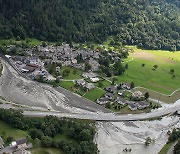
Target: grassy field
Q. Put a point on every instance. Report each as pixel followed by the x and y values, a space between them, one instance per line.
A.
pixel 67 84
pixel 73 75
pixel 94 94
pixel 61 137
pixel 159 80
pixel 8 131
pixel 29 41
pixel 159 96
pixel 103 84
pixel 46 151
pixel 166 147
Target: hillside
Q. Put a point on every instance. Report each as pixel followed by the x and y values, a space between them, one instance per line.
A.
pixel 150 24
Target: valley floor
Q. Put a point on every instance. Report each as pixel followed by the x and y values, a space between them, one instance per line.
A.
pixel 113 137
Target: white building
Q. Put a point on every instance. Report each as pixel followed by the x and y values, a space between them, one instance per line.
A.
pixel 89 86
pixel 94 79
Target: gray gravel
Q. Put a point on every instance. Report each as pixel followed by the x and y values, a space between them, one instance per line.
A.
pixel 19 90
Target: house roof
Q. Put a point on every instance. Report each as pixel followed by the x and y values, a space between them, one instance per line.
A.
pixel 103 99
pixel 33 65
pixel 119 99
pixel 126 84
pixel 21 141
pixel 88 75
pixel 81 81
pixel 29 68
pixel 22 151
pixel 94 79
pixel 33 58
pixel 109 94
pixel 111 88
pixel 143 103
pixel 89 85
pixel 137 94
pixel 132 105
pixel 19 58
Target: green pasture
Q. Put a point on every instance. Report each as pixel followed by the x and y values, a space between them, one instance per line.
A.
pixel 74 73
pixel 67 84
pixel 46 151
pixel 7 131
pixel 159 80
pixel 94 94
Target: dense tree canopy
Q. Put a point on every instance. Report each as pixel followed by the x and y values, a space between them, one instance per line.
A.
pixel 44 129
pixel 151 24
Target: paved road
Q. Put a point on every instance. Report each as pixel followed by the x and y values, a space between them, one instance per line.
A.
pixel 7 149
pixel 106 116
pixel 170 151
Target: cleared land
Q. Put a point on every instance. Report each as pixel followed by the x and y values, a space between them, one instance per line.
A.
pixel 103 84
pixel 159 80
pixel 73 75
pixel 94 94
pixel 8 131
pixel 30 42
pixel 46 151
pixel 166 147
pixel 67 84
pixel 161 97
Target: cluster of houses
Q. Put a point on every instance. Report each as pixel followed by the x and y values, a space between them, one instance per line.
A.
pixel 86 85
pixel 108 96
pixel 30 66
pixel 138 105
pixel 133 105
pixel 18 146
pixel 68 56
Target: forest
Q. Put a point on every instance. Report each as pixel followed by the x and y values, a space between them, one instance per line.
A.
pixel 43 131
pixel 149 24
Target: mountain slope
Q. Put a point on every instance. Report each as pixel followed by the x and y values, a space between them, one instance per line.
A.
pixel 151 24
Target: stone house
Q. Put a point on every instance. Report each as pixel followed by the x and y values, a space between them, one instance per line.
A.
pixel 21 143
pixel 109 95
pixel 132 106
pixel 80 82
pixel 102 100
pixel 111 89
pixel 126 86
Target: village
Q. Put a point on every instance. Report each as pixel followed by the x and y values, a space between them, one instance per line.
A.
pixel 53 63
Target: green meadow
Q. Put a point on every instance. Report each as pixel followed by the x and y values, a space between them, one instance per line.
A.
pixel 67 84
pixel 46 151
pixel 73 73
pixel 7 131
pixel 160 80
pixel 30 42
pixel 94 94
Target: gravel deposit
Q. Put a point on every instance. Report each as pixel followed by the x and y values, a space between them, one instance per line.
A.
pixel 113 137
